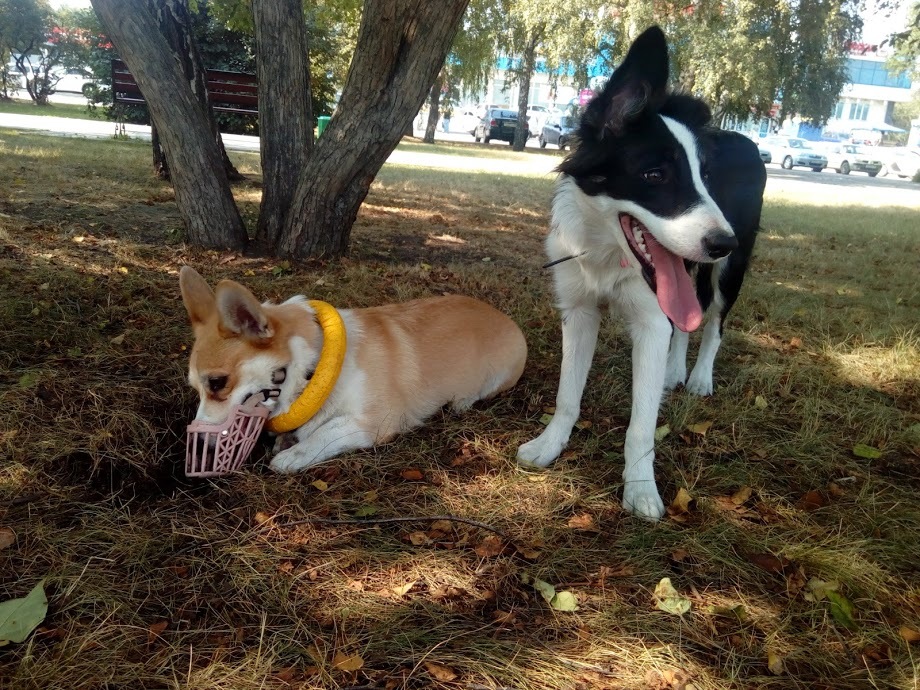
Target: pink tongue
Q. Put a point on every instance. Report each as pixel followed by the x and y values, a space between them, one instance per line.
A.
pixel 674 289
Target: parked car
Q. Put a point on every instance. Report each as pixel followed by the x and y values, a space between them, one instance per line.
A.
pixel 498 123
pixel 846 157
pixel 536 118
pixel 765 154
pixel 464 120
pixel 70 80
pixel 558 130
pixel 791 152
pixel 905 163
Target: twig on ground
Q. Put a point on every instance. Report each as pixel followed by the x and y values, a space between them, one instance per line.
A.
pixel 384 521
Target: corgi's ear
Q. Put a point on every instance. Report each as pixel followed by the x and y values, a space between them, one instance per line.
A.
pixel 638 85
pixel 240 312
pixel 197 296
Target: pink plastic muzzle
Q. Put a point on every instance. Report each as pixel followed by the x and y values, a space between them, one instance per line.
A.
pixel 213 450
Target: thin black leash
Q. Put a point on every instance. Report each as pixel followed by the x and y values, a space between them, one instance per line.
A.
pixel 565 258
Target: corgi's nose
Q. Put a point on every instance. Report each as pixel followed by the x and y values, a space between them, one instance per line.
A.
pixel 718 244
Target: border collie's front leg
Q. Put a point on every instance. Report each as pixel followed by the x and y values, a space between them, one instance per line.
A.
pixel 650 333
pixel 579 338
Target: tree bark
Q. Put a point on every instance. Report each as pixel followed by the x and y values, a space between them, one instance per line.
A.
pixel 528 64
pixel 285 113
pixel 434 102
pixel 401 46
pixel 202 190
pixel 176 27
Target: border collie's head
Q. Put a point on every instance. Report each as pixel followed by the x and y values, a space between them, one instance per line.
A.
pixel 639 159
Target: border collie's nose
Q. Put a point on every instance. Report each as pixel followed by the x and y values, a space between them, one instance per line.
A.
pixel 719 244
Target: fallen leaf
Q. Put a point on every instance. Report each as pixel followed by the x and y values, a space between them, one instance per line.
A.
pixel 564 601
pixel 681 502
pixel 877 654
pixel 680 555
pixel 795 343
pixel 812 500
pixel 546 419
pixel 861 450
pixel 419 539
pixel 661 432
pixel 504 617
pixel 582 521
pixel 412 475
pixel 700 428
pixel 365 511
pixel 19 617
pixel 737 612
pixel 343 662
pixel 445 526
pixel 261 518
pixel 775 663
pixel 669 599
pixel 584 424
pixel 155 630
pixel 742 495
pixel 760 402
pixel 178 570
pixel 490 546
pixel 286 675
pixel 7 537
pixel 909 635
pixel 528 553
pixel 118 339
pixel 769 562
pixel 403 590
pixel 842 610
pixel 320 485
pixel 440 672
pixel 817 590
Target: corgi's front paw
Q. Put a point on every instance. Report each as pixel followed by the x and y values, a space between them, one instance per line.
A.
pixel 292 460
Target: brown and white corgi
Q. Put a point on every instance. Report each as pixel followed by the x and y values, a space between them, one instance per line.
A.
pixel 402 363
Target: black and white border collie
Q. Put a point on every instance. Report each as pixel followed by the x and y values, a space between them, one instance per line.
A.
pixel 651 196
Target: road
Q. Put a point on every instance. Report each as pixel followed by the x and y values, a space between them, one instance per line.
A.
pixel 826 187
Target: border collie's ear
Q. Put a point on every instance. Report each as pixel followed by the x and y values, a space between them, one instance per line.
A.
pixel 197 296
pixel 240 312
pixel 638 84
pixel 686 109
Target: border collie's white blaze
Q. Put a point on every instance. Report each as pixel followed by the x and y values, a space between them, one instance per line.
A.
pixel 650 196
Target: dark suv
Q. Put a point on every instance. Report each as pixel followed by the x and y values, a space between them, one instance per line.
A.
pixel 498 123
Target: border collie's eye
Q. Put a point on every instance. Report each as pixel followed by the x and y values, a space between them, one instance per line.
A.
pixel 217 383
pixel 654 176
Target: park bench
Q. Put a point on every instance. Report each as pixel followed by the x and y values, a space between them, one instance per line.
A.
pixel 229 92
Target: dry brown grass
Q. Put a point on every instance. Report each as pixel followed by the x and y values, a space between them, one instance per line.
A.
pixel 158 582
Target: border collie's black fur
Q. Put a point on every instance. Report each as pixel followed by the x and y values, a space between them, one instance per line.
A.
pixel 651 195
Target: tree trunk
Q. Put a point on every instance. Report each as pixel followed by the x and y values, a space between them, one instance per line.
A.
pixel 160 164
pixel 176 27
pixel 202 190
pixel 434 103
pixel 285 113
pixel 401 46
pixel 528 64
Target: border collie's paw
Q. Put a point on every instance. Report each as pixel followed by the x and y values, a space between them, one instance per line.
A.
pixel 700 384
pixel 643 501
pixel 674 377
pixel 540 452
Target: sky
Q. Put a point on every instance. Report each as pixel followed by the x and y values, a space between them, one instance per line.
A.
pixel 875 27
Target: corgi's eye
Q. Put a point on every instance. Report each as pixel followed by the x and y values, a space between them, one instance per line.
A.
pixel 654 176
pixel 217 383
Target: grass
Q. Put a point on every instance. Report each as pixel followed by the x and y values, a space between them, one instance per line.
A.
pixel 155 581
pixel 70 110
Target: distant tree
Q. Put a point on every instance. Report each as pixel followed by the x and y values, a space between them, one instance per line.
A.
pixel 742 56
pixel 40 43
pixel 906 44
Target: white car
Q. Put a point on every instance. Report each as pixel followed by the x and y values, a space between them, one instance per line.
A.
pixel 849 157
pixel 905 163
pixel 70 80
pixel 792 151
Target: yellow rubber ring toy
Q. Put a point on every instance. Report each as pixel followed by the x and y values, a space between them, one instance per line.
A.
pixel 327 371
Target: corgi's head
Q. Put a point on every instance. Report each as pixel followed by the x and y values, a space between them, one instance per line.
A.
pixel 641 164
pixel 242 347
